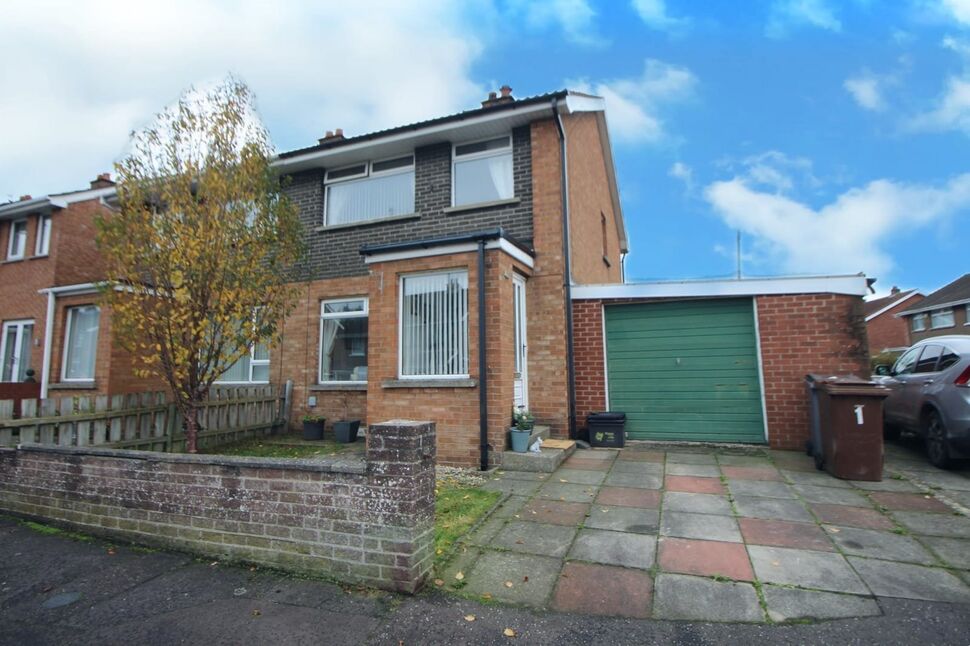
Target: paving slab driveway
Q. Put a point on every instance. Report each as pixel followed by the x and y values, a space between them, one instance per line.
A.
pixel 721 535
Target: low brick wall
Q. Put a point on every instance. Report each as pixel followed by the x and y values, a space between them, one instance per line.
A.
pixel 363 520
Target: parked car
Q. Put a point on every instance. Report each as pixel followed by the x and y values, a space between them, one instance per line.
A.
pixel 930 396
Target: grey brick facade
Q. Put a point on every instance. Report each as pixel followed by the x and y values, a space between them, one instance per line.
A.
pixel 334 253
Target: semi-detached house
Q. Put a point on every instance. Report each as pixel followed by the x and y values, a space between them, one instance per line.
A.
pixel 466 265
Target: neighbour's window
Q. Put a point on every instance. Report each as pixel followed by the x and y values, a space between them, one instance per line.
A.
pixel 966 316
pixel 941 318
pixel 369 191
pixel 434 325
pixel 343 341
pixel 252 367
pixel 918 323
pixel 482 171
pixel 17 244
pixel 907 362
pixel 81 342
pixel 15 347
pixel 42 248
pixel 928 358
pixel 947 359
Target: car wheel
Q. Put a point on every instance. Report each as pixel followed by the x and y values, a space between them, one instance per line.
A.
pixel 936 446
pixel 891 432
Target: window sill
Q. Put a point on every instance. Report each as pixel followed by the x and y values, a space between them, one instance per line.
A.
pixel 430 383
pixel 73 385
pixel 941 327
pixel 367 223
pixel 337 386
pixel 10 260
pixel 482 205
pixel 39 256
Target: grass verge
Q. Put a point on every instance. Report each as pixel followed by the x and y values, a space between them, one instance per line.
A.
pixel 260 448
pixel 457 508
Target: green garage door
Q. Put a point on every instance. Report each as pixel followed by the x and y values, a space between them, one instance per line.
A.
pixel 685 370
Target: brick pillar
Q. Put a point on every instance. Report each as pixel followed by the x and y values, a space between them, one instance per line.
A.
pixel 401 459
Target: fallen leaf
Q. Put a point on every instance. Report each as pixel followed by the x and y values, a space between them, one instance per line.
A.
pixel 508 632
pixel 469 617
pixel 508 584
pixel 439 552
pixel 256 613
pixel 776 563
pixel 525 579
pixel 605 511
pixel 111 551
pixel 460 576
pixel 439 582
pixel 561 480
pixel 466 497
pixel 487 596
pixel 519 542
pixel 834 530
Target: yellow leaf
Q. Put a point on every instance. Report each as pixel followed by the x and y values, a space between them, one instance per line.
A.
pixel 469 617
pixel 460 576
pixel 439 582
pixel 508 632
pixel 508 584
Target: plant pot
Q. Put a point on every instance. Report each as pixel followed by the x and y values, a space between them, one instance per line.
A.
pixel 346 431
pixel 520 440
pixel 313 430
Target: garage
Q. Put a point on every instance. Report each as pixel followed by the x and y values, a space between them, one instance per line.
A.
pixel 685 370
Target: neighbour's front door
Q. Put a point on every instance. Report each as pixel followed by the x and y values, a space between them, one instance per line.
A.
pixel 521 383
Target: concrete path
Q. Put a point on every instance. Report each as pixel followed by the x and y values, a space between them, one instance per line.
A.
pixel 57 590
pixel 704 535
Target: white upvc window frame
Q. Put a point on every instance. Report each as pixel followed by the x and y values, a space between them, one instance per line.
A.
pixel 363 314
pixel 966 315
pixel 253 362
pixel 19 324
pixel 922 316
pixel 943 310
pixel 367 174
pixel 67 345
pixel 508 150
pixel 400 324
pixel 42 246
pixel 11 237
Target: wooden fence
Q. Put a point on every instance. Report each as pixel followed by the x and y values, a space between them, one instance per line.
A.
pixel 145 421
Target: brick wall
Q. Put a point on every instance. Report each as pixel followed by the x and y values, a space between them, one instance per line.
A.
pixel 370 521
pixel 888 331
pixel 335 252
pixel 800 334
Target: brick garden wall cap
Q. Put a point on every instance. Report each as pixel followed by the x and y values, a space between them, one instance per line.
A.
pixel 357 465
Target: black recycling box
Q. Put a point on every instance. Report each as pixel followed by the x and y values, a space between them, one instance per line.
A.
pixel 606 429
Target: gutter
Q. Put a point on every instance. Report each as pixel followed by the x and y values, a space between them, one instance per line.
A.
pixel 567 277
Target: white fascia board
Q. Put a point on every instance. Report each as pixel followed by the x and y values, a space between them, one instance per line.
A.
pixel 891 305
pixel 444 250
pixel 583 103
pixel 26 207
pixel 850 285
pixel 84 196
pixel 80 288
pixel 937 306
pixel 320 156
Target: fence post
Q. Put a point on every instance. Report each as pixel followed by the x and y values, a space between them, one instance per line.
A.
pixel 286 404
pixel 170 426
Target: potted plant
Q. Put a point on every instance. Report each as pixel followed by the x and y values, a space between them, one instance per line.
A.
pixel 313 427
pixel 345 430
pixel 522 430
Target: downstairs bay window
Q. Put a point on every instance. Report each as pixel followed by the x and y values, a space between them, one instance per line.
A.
pixel 434 325
pixel 343 341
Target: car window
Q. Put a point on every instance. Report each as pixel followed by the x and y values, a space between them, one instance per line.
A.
pixel 928 358
pixel 948 359
pixel 907 362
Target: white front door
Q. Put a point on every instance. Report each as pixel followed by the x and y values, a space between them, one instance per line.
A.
pixel 15 344
pixel 521 384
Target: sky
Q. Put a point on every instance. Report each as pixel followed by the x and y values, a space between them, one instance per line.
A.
pixel 834 136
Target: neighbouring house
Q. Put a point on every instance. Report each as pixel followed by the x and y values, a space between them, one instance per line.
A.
pixel 945 311
pixel 49 312
pixel 887 331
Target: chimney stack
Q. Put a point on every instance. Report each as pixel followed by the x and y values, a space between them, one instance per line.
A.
pixel 894 290
pixel 494 98
pixel 332 135
pixel 102 181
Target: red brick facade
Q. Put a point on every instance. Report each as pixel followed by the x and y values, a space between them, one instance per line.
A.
pixel 799 334
pixel 886 331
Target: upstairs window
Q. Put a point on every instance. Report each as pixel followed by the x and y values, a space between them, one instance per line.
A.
pixel 369 191
pixel 17 244
pixel 434 325
pixel 482 171
pixel 43 246
pixel 343 341
pixel 918 323
pixel 941 318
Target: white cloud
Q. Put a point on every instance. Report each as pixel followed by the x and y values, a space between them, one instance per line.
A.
pixel 634 105
pixel 846 235
pixel 654 14
pixel 866 89
pixel 959 9
pixel 788 14
pixel 79 76
pixel 683 172
pixel 951 110
pixel 775 171
pixel 576 18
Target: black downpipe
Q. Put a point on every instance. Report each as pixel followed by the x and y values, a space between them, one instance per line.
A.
pixel 482 364
pixel 567 277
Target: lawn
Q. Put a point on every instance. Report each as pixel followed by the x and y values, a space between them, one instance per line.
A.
pixel 285 447
pixel 457 508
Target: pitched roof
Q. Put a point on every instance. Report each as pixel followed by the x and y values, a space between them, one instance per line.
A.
pixel 877 306
pixel 955 293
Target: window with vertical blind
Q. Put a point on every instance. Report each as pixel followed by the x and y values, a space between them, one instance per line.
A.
pixel 434 325
pixel 369 191
pixel 81 343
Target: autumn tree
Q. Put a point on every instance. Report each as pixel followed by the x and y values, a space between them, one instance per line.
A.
pixel 201 251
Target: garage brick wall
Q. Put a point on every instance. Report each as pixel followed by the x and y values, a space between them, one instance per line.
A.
pixel 800 334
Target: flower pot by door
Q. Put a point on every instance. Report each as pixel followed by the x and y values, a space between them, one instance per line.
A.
pixel 346 432
pixel 313 430
pixel 520 440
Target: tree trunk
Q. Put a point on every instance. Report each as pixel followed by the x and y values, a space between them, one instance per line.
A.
pixel 191 429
